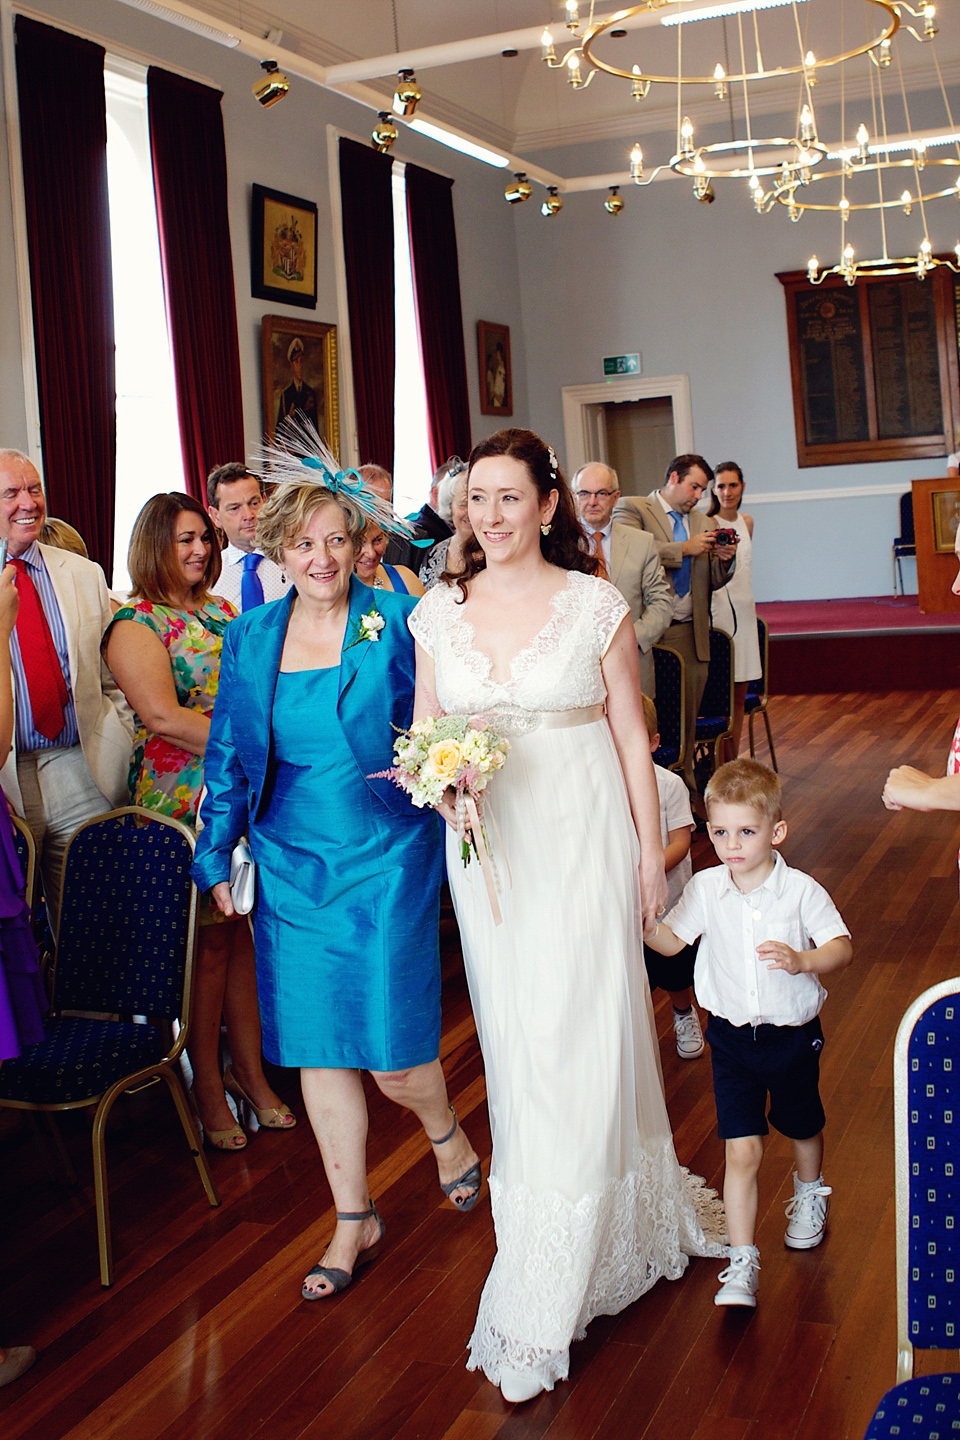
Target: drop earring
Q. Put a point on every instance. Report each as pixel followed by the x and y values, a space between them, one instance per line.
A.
pixel 545 530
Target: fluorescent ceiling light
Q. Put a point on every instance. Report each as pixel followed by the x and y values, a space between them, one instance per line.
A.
pixel 459 142
pixel 717 12
pixel 889 147
pixel 185 22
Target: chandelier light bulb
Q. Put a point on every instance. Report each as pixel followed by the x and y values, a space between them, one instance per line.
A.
pixel 844 206
pixel 863 137
pixel 930 26
pixel 613 203
pixel 885 57
pixel 720 82
pixel 807 127
pixel 810 68
pixel 686 137
pixel 794 212
pixel 813 266
pixel 573 14
pixel 754 183
pixel 636 164
pixel 573 69
pixel 641 87
pixel 547 51
pixel 920 153
pixel 847 266
pixel 906 200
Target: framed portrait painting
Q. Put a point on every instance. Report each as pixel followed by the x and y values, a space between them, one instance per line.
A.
pixel 299 359
pixel 283 249
pixel 946 520
pixel 496 377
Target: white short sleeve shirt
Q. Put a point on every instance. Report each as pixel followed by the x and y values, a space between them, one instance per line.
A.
pixel 675 813
pixel 730 979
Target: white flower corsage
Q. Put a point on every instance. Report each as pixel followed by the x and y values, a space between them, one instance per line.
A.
pixel 369 626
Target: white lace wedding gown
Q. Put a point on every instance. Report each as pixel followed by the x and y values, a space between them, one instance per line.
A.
pixel 590 1205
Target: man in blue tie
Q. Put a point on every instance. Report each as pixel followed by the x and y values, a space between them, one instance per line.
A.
pixel 695 565
pixel 247 578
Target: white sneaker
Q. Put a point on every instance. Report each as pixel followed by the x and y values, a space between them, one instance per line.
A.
pixel 689 1035
pixel 739 1281
pixel 807 1213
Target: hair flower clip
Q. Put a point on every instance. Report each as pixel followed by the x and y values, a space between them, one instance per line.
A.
pixel 554 463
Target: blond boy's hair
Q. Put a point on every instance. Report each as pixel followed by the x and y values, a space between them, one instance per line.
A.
pixel 746 782
pixel 650 717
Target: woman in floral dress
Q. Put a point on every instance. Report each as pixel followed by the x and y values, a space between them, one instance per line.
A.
pixel 164 650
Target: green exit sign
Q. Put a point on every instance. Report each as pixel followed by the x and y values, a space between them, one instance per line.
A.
pixel 621 364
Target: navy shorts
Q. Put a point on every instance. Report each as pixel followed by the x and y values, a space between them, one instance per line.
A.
pixel 752 1062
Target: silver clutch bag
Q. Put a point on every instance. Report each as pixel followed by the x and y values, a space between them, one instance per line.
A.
pixel 243 877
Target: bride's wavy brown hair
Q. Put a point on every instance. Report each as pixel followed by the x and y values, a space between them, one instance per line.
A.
pixel 566 545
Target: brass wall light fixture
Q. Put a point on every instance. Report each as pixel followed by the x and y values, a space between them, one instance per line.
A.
pixel 408 95
pixel 384 133
pixel 273 86
pixel 519 189
pixel 553 204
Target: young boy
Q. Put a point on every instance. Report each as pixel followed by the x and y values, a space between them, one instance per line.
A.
pixel 767 934
pixel 674 973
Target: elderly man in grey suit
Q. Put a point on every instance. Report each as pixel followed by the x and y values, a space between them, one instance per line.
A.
pixel 73 732
pixel 695 567
pixel 628 559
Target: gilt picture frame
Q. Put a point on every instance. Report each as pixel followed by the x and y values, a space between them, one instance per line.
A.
pixel 496 375
pixel 299 370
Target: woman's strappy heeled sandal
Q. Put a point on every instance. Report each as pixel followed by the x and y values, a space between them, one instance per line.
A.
pixel 340 1279
pixel 472 1177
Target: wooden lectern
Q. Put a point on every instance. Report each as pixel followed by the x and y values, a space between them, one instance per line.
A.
pixel 936 510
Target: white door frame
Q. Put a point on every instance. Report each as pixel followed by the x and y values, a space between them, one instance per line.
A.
pixel 579 429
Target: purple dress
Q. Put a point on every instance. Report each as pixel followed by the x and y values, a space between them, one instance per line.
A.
pixel 22 1000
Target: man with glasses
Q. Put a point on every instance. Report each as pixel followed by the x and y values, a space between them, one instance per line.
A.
pixel 628 559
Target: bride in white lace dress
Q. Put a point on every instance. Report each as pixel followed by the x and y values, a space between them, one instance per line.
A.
pixel 590 1205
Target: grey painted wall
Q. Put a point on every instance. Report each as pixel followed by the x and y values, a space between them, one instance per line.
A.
pixel 692 287
pixel 285 147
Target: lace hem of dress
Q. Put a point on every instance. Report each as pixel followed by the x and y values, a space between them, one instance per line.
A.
pixel 559 1263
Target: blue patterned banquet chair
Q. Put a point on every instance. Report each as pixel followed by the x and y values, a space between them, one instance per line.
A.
pixel 127 940
pixel 926 1089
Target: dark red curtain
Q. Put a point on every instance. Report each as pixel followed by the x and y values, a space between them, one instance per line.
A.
pixel 63 141
pixel 436 278
pixel 190 183
pixel 366 194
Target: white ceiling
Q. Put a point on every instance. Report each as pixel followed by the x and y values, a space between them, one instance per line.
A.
pixel 519 105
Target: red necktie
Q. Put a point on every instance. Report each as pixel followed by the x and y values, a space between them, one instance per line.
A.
pixel 41 664
pixel 598 555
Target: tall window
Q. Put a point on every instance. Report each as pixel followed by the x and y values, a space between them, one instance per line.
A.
pixel 148 437
pixel 412 469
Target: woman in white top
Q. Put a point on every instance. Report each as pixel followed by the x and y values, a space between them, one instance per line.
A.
pixel 732 608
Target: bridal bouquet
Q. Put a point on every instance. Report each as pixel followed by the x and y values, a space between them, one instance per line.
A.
pixel 457 752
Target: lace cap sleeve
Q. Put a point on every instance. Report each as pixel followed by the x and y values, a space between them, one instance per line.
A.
pixel 609 610
pixel 424 619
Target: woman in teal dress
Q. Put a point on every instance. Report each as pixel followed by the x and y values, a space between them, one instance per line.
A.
pixel 348 872
pixel 164 649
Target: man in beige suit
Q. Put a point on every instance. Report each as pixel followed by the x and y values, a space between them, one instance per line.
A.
pixel 629 561
pixel 73 732
pixel 695 566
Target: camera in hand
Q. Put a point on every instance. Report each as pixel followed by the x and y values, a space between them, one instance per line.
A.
pixel 726 537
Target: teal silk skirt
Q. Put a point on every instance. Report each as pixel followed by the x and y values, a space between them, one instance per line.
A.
pixel 346 921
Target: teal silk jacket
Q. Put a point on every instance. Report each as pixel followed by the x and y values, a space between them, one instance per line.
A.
pixel 374 700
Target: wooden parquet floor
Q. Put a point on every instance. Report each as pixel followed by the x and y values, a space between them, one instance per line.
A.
pixel 204 1337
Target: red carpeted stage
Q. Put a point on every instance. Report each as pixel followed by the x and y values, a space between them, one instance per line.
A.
pixel 879 642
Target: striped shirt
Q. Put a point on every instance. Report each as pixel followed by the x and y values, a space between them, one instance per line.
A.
pixel 27 738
